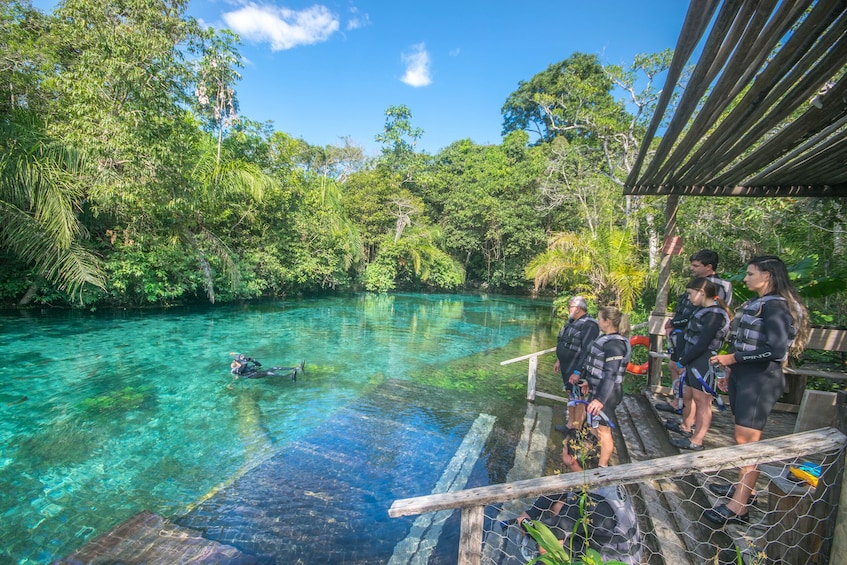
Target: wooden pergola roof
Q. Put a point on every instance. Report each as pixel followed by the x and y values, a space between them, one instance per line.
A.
pixel 764 112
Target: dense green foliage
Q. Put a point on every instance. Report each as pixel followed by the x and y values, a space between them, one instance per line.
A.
pixel 127 178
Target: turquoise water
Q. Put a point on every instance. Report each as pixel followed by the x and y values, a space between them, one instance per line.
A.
pixel 108 414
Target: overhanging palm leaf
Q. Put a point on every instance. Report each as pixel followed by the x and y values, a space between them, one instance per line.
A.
pixel 39 195
pixel 567 260
pixel 216 180
pixel 603 263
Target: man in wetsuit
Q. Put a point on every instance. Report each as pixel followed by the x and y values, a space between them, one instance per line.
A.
pixel 703 263
pixel 575 339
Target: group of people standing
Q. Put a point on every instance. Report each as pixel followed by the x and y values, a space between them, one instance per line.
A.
pixel 712 349
pixel 744 354
pixel 592 355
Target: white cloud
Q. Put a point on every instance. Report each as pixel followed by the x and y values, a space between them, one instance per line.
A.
pixel 417 66
pixel 357 20
pixel 282 28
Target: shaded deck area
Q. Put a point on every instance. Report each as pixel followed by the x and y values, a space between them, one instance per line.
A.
pixel 674 506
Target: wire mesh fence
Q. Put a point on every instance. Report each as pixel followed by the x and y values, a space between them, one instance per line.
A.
pixel 662 517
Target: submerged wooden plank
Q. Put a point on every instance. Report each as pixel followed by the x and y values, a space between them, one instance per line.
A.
pixel 664 528
pixel 149 539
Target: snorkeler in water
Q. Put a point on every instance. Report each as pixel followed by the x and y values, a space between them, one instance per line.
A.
pixel 245 367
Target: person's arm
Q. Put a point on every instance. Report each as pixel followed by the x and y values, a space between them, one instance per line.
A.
pixel 602 521
pixel 541 504
pixel 712 324
pixel 682 313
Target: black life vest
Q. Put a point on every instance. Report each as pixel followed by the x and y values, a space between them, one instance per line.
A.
pixel 724 288
pixel 570 336
pixel 695 327
pixel 683 312
pixel 596 360
pixel 747 325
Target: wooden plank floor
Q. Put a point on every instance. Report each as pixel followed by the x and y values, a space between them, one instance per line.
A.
pixel 676 506
pixel 677 533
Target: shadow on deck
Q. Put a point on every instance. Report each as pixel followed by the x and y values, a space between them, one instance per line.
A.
pixel 674 506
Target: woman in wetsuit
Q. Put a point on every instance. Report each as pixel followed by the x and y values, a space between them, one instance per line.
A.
pixel 703 337
pixel 764 330
pixel 604 371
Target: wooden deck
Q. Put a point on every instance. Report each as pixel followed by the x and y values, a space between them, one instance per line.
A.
pixel 675 506
pixel 671 507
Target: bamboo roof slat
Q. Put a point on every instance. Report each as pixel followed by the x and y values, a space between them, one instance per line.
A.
pixel 763 112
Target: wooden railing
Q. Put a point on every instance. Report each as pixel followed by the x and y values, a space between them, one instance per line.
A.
pixel 531 377
pixel 472 502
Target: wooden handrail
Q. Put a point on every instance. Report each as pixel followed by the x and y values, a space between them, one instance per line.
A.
pixel 472 502
pixel 765 451
pixel 528 356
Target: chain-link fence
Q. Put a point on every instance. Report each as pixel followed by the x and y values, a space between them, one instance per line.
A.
pixel 660 516
pixel 789 521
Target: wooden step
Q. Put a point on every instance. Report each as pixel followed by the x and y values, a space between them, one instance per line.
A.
pixel 642 441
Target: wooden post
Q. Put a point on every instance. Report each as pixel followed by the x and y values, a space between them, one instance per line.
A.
pixel 838 494
pixel 530 379
pixel 470 538
pixel 663 287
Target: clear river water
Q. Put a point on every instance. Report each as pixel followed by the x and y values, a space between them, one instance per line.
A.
pixel 107 414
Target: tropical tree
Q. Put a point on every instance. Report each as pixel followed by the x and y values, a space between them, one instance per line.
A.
pixel 413 261
pixel 564 99
pixel 22 61
pixel 485 200
pixel 602 265
pixel 119 91
pixel 40 195
pixel 399 139
pixel 216 77
pixel 216 182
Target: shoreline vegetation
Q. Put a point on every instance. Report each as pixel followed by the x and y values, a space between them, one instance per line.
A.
pixel 128 179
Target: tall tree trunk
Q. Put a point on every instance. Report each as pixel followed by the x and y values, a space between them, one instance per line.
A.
pixel 653 248
pixel 205 268
pixel 30 293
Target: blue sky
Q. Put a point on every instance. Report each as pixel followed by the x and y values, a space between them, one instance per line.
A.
pixel 326 70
